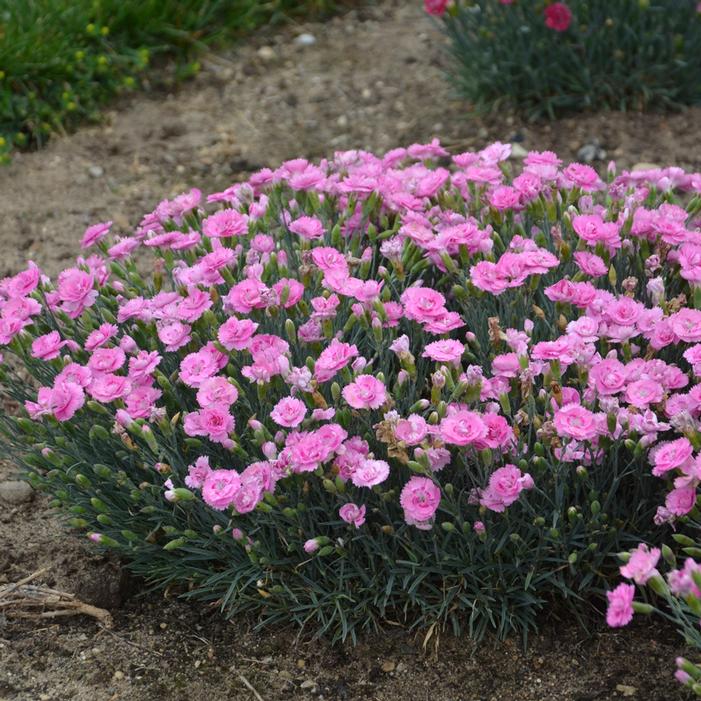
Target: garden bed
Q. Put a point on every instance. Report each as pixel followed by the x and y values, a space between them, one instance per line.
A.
pixel 257 108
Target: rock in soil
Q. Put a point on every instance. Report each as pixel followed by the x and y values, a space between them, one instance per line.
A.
pixel 15 492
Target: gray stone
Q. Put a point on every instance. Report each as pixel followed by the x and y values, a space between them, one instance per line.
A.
pixel 517 151
pixel 96 171
pixel 591 152
pixel 15 492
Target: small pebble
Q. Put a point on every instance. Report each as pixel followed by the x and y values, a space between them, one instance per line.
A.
pixel 267 53
pixel 517 151
pixel 305 39
pixel 644 166
pixel 96 171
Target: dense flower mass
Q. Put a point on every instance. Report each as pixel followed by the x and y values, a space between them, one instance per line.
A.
pixel 372 371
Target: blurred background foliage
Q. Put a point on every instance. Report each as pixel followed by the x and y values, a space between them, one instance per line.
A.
pixel 61 60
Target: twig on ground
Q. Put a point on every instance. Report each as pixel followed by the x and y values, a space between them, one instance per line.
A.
pixel 24 600
pixel 250 687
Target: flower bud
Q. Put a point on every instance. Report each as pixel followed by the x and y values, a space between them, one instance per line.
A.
pixel 311 546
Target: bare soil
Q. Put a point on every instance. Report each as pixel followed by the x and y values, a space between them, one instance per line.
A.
pixel 373 79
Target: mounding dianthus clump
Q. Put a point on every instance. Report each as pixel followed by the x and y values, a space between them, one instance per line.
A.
pixel 403 389
pixel 546 58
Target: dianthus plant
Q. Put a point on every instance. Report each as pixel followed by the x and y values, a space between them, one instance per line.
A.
pixel 545 58
pixel 410 389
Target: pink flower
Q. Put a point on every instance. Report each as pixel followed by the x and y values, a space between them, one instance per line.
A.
pixel 263 243
pixel 558 16
pixel 248 496
pixel 100 336
pixel 592 229
pixel 686 324
pixel 332 359
pixel 108 387
pixel 309 450
pixel 367 392
pixel 620 607
pixel 447 351
pixel 65 399
pixel 195 368
pixel 325 307
pixel 590 263
pixel 174 335
pixel 22 284
pixel 192 307
pixel 75 291
pixel 95 233
pixel 215 422
pixel 289 412
pixel 352 453
pixel 369 473
pixel 499 434
pixel 141 401
pixel 681 501
pixel 225 224
pixel 106 360
pixel 505 486
pixel 73 372
pixel 353 514
pixel 235 334
pixel 608 377
pixel 247 295
pixel 220 487
pixel 216 391
pixel 506 365
pixel 309 228
pixel 423 304
pixel 412 430
pixel 330 261
pixel 544 164
pixel 643 393
pixel 136 308
pixel 292 291
pixel 487 276
pixel 123 248
pixel 584 177
pixel 574 421
pixel 670 455
pixel 198 473
pixel 641 565
pixel 419 498
pixel 462 428
pixel 505 197
pixel 681 581
pixel 47 346
pixel 435 7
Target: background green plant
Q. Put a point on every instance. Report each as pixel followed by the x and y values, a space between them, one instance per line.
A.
pixel 61 60
pixel 627 55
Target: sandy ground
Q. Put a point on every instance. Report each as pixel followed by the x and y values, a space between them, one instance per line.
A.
pixel 373 79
